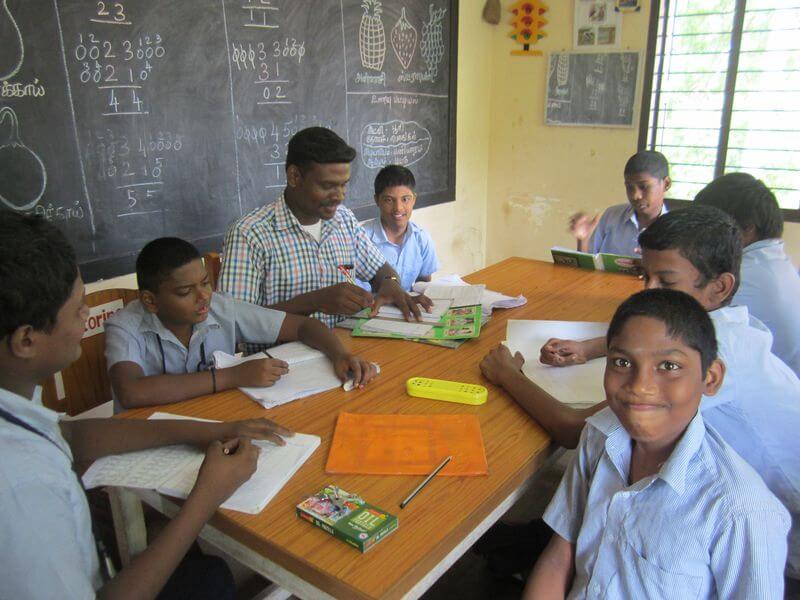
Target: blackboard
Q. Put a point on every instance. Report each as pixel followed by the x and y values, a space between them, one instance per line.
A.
pixel 592 88
pixel 125 121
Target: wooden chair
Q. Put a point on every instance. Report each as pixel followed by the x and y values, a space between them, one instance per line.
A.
pixel 85 384
pixel 213 263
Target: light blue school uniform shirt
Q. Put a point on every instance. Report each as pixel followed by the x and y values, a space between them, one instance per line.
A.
pixel 757 411
pixel 618 231
pixel 415 257
pixel 47 549
pixel 704 526
pixel 770 289
pixel 136 335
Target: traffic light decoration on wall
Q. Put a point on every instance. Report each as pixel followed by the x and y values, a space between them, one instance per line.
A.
pixel 527 24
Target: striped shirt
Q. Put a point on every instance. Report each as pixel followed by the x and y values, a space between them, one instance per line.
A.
pixel 704 526
pixel 268 257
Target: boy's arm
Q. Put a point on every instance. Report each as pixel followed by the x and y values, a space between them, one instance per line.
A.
pixel 552 574
pixel 562 422
pixel 563 353
pixel 582 227
pixel 389 291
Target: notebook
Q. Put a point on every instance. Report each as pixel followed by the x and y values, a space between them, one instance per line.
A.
pixel 172 470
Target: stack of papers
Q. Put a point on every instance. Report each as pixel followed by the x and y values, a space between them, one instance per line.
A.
pixel 440 306
pixel 578 385
pixel 464 294
pixel 404 328
pixel 172 470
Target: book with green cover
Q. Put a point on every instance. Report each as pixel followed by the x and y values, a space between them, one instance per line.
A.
pixel 602 261
pixel 347 517
pixel 456 324
pixel 572 258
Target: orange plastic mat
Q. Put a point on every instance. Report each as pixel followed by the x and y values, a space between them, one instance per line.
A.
pixel 407 445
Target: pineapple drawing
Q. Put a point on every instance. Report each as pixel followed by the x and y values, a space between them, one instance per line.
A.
pixel 432 46
pixel 371 36
pixel 404 39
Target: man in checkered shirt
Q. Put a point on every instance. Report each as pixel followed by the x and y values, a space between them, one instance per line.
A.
pixel 298 253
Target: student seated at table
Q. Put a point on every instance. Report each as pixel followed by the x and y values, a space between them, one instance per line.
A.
pixel 406 246
pixel 159 349
pixel 617 231
pixel 757 410
pixel 770 285
pixel 655 503
pixel 301 253
pixel 48 548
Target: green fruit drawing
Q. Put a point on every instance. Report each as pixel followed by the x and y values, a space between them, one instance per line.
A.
pixel 24 176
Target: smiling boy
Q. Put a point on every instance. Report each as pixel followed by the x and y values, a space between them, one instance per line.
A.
pixel 655 503
pixel 617 231
pixel 159 348
pixel 406 246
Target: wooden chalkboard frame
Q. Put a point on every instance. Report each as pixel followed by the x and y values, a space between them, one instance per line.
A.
pixel 583 55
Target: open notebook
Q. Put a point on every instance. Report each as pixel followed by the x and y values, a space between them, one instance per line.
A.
pixel 172 470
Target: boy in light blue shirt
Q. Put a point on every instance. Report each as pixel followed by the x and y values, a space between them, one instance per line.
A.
pixel 655 503
pixel 406 246
pixel 617 231
pixel 159 348
pixel 770 285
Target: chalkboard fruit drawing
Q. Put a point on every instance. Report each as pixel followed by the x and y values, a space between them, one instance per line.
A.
pixel 432 46
pixel 404 39
pixel 24 176
pixel 371 36
pixel 394 142
pixel 12 50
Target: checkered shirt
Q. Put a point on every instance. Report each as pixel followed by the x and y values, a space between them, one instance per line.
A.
pixel 269 258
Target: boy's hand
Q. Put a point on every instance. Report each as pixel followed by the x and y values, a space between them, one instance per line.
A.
pixel 582 226
pixel 391 292
pixel 226 466
pixel 362 370
pixel 562 353
pixel 256 429
pixel 342 299
pixel 498 364
pixel 263 372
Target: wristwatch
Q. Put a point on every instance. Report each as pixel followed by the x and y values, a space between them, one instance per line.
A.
pixel 393 277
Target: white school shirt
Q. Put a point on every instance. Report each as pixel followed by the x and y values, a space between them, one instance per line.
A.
pixel 704 526
pixel 47 548
pixel 757 411
pixel 618 231
pixel 770 289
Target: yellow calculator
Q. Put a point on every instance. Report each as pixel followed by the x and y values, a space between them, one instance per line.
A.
pixel 450 391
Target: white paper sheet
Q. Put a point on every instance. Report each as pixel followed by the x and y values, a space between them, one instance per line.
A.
pixel 461 295
pixel 440 306
pixel 401 327
pixel 580 385
pixel 488 300
pixel 173 470
pixel 294 352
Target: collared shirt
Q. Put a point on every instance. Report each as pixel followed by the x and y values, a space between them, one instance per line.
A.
pixel 133 334
pixel 618 231
pixel 413 258
pixel 757 410
pixel 269 258
pixel 704 526
pixel 47 549
pixel 770 289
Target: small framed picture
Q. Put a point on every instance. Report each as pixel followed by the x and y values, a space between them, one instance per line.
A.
pixel 627 5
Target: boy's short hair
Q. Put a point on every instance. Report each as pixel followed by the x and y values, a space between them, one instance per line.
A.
pixel 159 258
pixel 683 316
pixel 705 236
pixel 393 176
pixel 748 200
pixel 317 145
pixel 37 270
pixel 648 161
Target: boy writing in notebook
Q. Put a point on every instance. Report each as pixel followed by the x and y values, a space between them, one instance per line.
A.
pixel 48 549
pixel 406 246
pixel 159 348
pixel 770 285
pixel 757 409
pixel 617 231
pixel 655 504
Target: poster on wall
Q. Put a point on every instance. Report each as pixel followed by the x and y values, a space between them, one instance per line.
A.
pixel 597 25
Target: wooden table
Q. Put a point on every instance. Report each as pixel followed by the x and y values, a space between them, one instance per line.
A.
pixel 444 520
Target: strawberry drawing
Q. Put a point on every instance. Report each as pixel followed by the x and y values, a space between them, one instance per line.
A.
pixel 404 39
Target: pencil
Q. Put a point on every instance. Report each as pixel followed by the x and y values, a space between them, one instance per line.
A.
pixel 410 497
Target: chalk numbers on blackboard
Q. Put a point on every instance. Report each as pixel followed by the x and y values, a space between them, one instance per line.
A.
pixel 110 13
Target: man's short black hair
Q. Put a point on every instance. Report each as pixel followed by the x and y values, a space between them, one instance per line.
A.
pixel 748 200
pixel 159 258
pixel 37 272
pixel 317 145
pixel 683 316
pixel 705 236
pixel 393 176
pixel 648 161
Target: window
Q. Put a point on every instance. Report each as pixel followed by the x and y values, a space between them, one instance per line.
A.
pixel 723 93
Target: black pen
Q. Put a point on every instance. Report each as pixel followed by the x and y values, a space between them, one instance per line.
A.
pixel 425 482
